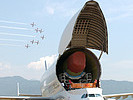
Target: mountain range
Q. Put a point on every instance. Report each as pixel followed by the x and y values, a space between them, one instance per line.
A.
pixel 8 86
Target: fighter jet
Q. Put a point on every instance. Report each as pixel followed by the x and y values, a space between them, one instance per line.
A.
pixel 27 46
pixel 37 42
pixel 40 30
pixel 42 37
pixel 36 30
pixel 33 24
pixel 32 41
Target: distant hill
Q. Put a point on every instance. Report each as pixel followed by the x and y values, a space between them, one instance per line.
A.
pixel 115 87
pixel 8 86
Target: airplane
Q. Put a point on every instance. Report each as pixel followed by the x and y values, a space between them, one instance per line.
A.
pixel 33 24
pixel 40 30
pixel 36 30
pixel 27 46
pixel 42 37
pixel 37 42
pixel 32 41
pixel 76 73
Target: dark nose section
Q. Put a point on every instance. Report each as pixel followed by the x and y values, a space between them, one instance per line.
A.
pixel 76 63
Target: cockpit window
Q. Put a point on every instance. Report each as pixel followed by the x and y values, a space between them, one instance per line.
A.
pixel 98 95
pixel 84 96
pixel 91 95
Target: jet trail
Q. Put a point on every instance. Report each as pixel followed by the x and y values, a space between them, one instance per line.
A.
pixel 12 34
pixel 16 28
pixel 12 22
pixel 11 45
pixel 12 40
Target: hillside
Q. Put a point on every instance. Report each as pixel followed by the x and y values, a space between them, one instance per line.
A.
pixel 8 86
pixel 115 87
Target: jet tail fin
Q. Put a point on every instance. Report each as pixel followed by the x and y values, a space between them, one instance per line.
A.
pixel 18 89
pixel 46 65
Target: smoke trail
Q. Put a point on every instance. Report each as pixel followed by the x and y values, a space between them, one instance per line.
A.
pixel 12 40
pixel 12 22
pixel 16 28
pixel 12 34
pixel 11 45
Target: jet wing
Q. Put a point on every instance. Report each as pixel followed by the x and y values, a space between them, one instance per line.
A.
pixel 117 96
pixel 23 98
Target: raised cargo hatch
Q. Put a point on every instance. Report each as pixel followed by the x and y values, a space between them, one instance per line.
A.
pixel 90 30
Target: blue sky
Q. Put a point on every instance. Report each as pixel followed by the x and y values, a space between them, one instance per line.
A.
pixel 52 16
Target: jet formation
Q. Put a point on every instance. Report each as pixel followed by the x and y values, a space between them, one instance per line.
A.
pixel 35 36
pixel 33 24
pixel 38 31
pixel 27 46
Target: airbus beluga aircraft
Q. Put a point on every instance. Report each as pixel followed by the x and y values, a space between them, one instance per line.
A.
pixel 76 73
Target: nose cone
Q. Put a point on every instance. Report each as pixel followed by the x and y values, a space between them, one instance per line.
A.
pixel 76 62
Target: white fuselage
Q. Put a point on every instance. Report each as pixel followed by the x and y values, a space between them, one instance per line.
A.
pixel 49 82
pixel 51 87
pixel 77 37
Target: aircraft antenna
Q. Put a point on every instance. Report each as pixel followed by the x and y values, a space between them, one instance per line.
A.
pixel 45 65
pixel 18 89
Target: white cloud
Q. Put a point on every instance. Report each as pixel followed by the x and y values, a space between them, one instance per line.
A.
pixel 4 66
pixel 62 8
pixel 50 10
pixel 41 63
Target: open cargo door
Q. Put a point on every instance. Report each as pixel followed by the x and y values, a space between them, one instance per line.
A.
pixel 86 29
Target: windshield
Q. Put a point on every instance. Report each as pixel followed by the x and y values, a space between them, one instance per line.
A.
pixel 90 95
pixel 98 95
